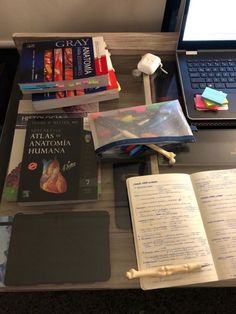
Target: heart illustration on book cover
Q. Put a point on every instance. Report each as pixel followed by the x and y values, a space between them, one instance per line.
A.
pixel 52 180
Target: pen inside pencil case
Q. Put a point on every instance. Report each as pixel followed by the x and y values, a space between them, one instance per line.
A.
pixel 155 124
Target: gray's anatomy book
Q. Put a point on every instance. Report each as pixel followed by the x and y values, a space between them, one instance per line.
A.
pixel 180 218
pixel 63 64
pixel 45 101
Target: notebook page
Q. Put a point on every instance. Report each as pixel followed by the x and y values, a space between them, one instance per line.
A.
pixel 167 228
pixel 217 200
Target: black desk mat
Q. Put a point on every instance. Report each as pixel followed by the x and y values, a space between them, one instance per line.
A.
pixel 66 247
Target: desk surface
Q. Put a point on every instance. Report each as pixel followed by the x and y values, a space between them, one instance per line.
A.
pixel 126 49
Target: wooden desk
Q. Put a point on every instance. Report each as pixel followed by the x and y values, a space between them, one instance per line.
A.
pixel 117 43
pixel 126 49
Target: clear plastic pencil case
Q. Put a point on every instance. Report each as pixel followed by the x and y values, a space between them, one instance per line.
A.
pixel 160 123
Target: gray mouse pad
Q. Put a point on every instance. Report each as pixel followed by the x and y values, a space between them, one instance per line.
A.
pixel 60 247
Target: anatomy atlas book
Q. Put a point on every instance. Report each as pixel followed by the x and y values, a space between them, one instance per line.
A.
pixel 59 163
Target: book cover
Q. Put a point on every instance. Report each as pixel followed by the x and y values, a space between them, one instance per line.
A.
pixel 25 113
pixel 59 163
pixel 63 64
pixel 52 100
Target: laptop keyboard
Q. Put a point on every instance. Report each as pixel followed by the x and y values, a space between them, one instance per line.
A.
pixel 214 73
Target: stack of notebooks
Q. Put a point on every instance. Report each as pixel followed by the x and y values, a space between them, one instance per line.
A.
pixel 67 72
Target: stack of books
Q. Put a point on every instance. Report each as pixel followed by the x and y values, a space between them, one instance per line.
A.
pixel 53 159
pixel 67 72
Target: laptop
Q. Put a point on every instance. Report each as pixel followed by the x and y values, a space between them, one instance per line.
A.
pixel 206 57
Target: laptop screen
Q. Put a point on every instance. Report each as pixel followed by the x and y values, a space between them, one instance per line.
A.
pixel 208 24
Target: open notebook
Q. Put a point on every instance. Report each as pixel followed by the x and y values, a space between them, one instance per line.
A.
pixel 179 219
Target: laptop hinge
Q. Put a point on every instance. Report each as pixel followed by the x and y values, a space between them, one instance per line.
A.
pixel 191 53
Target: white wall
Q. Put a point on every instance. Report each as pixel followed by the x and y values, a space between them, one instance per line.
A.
pixel 79 16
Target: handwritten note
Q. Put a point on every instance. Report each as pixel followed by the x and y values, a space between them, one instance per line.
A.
pixel 216 192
